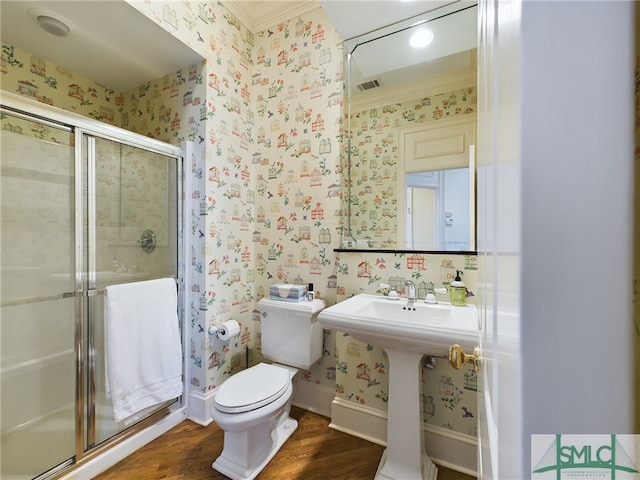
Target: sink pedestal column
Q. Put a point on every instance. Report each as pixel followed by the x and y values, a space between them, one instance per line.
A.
pixel 405 455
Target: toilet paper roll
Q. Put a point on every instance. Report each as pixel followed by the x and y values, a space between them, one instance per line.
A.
pixel 228 330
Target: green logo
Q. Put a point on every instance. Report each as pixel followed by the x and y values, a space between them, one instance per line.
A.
pixel 583 456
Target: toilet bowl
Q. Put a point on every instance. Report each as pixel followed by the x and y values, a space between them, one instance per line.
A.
pixel 253 406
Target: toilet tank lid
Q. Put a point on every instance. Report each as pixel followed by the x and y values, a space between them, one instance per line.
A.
pixel 305 307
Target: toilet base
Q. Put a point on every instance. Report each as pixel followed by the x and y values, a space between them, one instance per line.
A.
pixel 246 453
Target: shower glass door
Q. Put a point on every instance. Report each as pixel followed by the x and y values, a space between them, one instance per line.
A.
pixel 38 307
pixel 131 235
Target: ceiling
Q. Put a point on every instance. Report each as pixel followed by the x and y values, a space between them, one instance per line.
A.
pixel 349 18
pixel 113 44
pixel 386 56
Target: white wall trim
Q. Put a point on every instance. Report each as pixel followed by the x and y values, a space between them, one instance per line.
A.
pixel 199 407
pixel 123 449
pixel 453 450
pixel 313 397
pixel 258 16
pixel 359 420
pixel 450 449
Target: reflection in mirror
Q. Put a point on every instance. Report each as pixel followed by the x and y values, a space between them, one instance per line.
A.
pixel 392 90
pixel 437 210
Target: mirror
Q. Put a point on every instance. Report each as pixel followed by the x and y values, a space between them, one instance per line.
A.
pixel 410 169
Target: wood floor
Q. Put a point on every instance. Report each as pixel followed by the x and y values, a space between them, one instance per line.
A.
pixel 314 451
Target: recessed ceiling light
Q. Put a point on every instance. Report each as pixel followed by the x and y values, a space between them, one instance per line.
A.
pixel 421 38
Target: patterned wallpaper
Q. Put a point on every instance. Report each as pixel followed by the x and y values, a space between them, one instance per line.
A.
pixel 264 113
pixel 41 80
pixel 268 182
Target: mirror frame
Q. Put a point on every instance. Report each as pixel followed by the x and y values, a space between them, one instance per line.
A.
pixel 349 242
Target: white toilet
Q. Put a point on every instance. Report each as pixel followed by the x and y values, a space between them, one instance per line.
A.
pixel 252 406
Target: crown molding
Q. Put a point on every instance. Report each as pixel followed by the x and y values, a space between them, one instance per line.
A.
pixel 259 15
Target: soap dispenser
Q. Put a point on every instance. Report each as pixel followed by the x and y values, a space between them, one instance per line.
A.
pixel 458 290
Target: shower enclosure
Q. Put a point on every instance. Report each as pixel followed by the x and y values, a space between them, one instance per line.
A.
pixel 83 206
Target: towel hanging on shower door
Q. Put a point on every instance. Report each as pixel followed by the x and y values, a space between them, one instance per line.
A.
pixel 143 353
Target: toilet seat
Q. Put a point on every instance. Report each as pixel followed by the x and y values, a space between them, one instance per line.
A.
pixel 252 388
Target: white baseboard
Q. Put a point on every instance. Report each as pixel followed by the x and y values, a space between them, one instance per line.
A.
pixel 313 397
pixel 359 420
pixel 450 449
pixel 123 449
pixel 453 450
pixel 199 407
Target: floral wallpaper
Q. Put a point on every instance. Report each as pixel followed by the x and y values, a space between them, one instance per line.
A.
pixel 264 113
pixel 374 159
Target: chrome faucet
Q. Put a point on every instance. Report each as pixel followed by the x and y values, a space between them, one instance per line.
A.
pixel 411 291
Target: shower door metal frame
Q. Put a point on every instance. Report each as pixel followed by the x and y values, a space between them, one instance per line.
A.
pixel 85 398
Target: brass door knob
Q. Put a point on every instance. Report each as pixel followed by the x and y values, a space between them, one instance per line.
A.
pixel 457 357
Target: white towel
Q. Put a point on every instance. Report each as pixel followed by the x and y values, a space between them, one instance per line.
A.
pixel 143 354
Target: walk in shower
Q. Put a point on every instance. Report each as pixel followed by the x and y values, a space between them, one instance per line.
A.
pixel 83 206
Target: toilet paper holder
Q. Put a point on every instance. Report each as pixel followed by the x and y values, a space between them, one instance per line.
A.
pixel 224 330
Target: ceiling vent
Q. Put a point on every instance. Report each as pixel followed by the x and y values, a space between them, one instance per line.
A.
pixel 369 85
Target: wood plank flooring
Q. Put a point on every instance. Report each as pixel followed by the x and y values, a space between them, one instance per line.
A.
pixel 314 451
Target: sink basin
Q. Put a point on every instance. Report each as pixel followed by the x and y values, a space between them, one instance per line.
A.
pixel 406 332
pixel 421 327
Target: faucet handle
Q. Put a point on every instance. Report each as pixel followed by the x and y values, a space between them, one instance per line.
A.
pixel 431 296
pixel 392 294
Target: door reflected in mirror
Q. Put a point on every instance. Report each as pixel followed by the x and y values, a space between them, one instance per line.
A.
pixel 437 212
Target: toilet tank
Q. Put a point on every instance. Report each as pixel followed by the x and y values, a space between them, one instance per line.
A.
pixel 291 334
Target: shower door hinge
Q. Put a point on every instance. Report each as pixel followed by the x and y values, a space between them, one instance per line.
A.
pixel 85 293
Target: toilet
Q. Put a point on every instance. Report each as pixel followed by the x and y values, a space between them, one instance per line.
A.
pixel 252 407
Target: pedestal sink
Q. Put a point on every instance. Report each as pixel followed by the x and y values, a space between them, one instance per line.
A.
pixel 406 331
